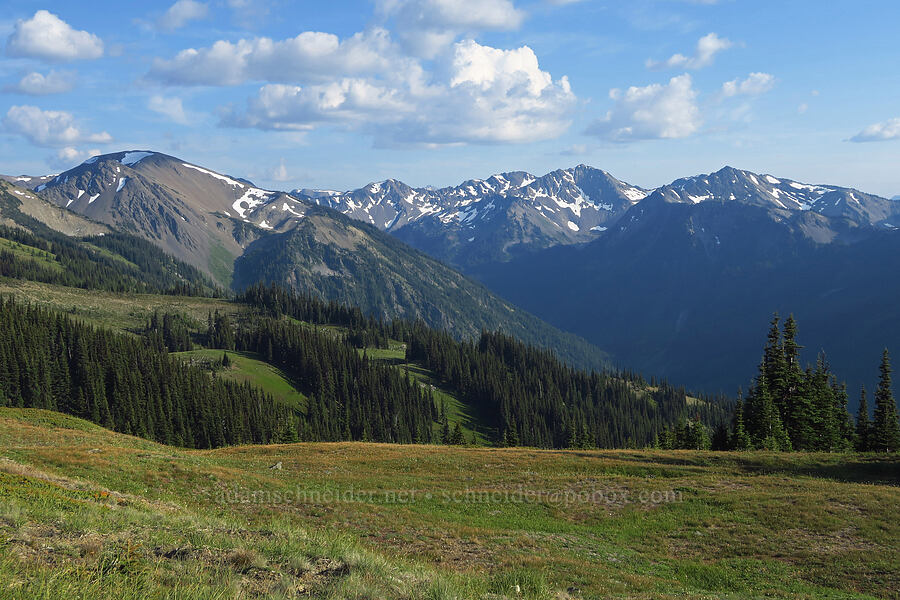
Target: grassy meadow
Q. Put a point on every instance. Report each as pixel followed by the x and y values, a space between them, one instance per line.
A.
pixel 247 367
pixel 86 513
pixel 114 310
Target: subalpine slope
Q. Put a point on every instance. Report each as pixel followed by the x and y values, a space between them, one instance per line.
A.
pixel 88 513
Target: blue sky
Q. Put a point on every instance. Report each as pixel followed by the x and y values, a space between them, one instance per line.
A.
pixel 334 95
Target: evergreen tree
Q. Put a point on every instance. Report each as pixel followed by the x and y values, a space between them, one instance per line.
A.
pixel 763 420
pixel 885 434
pixel 739 439
pixel 456 438
pixel 796 397
pixel 863 423
pixel 445 431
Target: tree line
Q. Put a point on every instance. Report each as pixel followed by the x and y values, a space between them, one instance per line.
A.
pixel 791 408
pixel 528 397
pixel 349 396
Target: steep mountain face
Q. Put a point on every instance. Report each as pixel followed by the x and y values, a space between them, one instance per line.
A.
pixel 42 242
pixel 493 219
pixel 685 284
pixel 209 220
pixel 194 214
pixel 54 217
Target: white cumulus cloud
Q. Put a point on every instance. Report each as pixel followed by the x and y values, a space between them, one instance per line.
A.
pixel 754 85
pixel 651 112
pixel 879 132
pixel 487 95
pixel 310 55
pixel 428 26
pixel 46 36
pixel 170 107
pixel 181 13
pixel 38 84
pixel 352 102
pixel 707 48
pixel 49 127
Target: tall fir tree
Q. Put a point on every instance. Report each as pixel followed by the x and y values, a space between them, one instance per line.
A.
pixel 739 439
pixel 763 420
pixel 796 397
pixel 863 422
pixel 885 436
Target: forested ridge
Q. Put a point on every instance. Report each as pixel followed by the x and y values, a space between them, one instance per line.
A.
pixel 523 394
pixel 350 397
pixel 386 278
pixel 50 361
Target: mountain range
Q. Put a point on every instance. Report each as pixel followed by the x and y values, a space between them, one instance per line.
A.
pixel 240 234
pixel 661 278
pixel 686 280
pixel 513 214
pixel 486 220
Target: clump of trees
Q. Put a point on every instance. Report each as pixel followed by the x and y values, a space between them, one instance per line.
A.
pixel 792 408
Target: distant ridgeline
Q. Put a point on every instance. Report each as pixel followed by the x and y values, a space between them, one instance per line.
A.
pixel 791 408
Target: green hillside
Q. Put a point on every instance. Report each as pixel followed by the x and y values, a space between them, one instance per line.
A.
pixel 128 313
pixel 249 368
pixel 85 513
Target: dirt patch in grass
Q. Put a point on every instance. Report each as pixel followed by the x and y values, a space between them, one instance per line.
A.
pixel 438 547
pixel 835 542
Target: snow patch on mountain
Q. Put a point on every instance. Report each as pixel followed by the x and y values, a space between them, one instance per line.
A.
pixel 227 180
pixel 133 158
pixel 252 198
